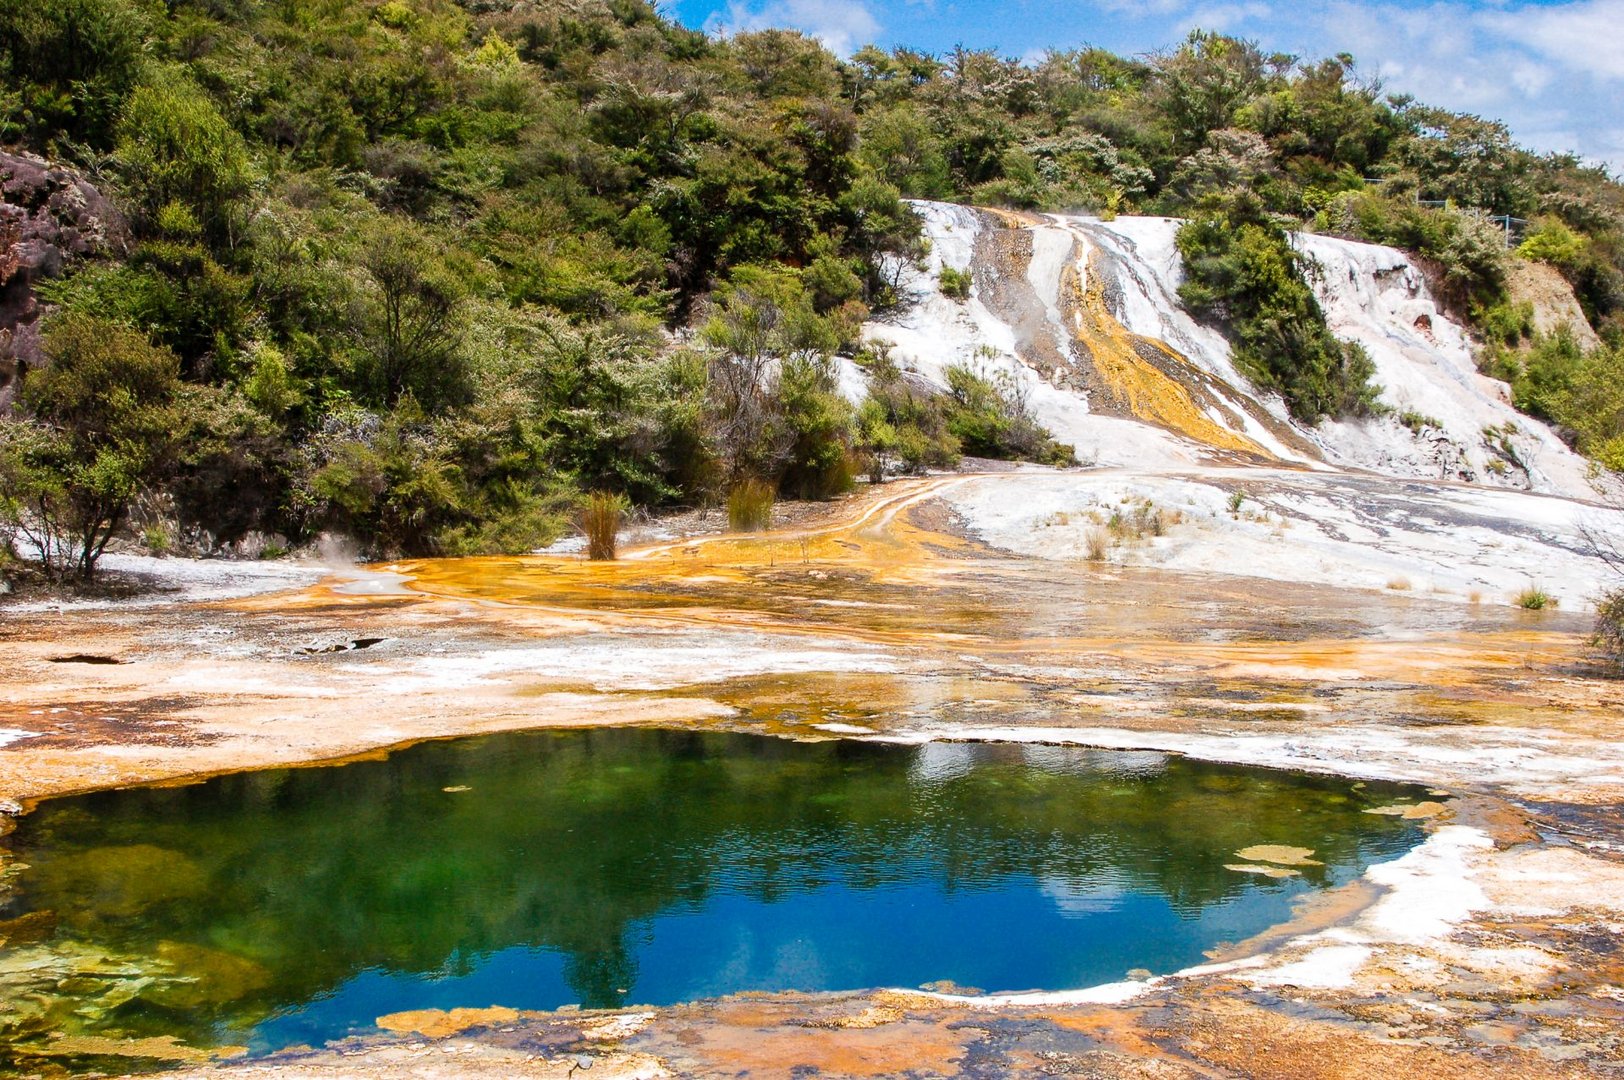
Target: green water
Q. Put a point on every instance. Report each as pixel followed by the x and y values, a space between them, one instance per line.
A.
pixel 611 867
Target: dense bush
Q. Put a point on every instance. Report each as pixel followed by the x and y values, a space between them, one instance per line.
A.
pixel 428 270
pixel 903 425
pixel 1581 393
pixel 66 67
pixel 1243 273
pixel 991 416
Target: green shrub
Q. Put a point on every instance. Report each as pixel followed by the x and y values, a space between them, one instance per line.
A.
pixel 1242 273
pixel 750 506
pixel 1581 393
pixel 412 324
pixel 1416 422
pixel 404 483
pixel 1504 323
pixel 1543 381
pixel 1592 406
pixel 1551 241
pixel 180 160
pixel 955 283
pixel 1609 633
pixel 771 398
pixel 102 426
pixel 901 426
pixel 991 417
pixel 157 538
pixel 815 421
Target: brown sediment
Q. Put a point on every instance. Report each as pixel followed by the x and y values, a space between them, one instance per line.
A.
pixel 918 630
pixel 1279 854
pixel 438 1023
pixel 1412 812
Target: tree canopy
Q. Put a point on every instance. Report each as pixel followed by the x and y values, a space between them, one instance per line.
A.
pixel 425 269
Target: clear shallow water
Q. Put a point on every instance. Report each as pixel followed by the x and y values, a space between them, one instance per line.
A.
pixel 612 867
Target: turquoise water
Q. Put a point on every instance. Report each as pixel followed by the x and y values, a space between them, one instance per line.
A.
pixel 635 866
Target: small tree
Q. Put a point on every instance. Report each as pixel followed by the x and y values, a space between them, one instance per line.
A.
pixel 1610 625
pixel 100 426
pixel 765 326
pixel 413 325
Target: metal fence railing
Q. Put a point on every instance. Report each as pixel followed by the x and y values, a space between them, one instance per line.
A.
pixel 1513 228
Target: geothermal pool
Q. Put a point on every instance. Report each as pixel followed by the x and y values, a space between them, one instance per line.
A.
pixel 621 866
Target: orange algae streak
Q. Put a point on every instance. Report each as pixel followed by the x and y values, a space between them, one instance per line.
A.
pixel 736 580
pixel 1151 395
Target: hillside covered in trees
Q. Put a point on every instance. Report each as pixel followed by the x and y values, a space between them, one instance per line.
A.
pixel 427 272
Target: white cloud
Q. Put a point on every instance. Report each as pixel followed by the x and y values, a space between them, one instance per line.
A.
pixel 1222 17
pixel 1582 36
pixel 842 25
pixel 1519 63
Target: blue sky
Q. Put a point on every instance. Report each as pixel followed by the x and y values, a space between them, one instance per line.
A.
pixel 1552 70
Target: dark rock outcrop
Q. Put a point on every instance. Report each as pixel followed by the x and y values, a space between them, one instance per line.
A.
pixel 49 217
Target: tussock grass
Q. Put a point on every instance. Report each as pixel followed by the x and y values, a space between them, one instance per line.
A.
pixel 1535 598
pixel 600 521
pixel 1098 543
pixel 750 506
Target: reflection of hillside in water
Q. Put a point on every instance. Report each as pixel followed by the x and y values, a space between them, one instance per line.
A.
pixel 273 888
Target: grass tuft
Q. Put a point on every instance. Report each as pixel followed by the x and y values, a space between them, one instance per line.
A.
pixel 1535 598
pixel 600 521
pixel 750 506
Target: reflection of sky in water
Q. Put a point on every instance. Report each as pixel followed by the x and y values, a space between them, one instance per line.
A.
pixel 938 762
pixel 1022 934
pixel 1070 761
